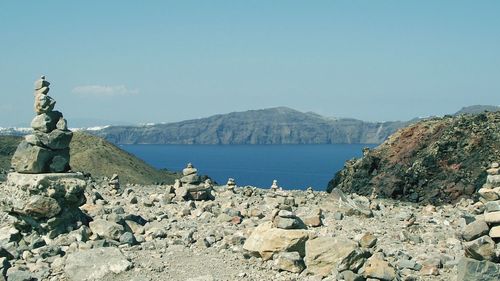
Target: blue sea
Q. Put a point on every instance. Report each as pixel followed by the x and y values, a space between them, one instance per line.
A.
pixel 294 166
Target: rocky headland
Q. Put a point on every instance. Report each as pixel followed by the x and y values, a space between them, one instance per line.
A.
pixel 432 161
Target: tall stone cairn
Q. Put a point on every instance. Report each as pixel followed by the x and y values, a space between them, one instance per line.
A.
pixel 482 236
pixel 47 149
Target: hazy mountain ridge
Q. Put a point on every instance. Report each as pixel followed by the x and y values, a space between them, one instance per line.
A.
pixel 279 125
pixel 476 109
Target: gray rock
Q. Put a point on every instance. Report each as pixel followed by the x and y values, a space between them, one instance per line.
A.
pixel 46 122
pixel 60 161
pixel 191 179
pixel 16 274
pixel 410 264
pixel 94 264
pixel 31 159
pixel 324 254
pixel 469 269
pixel 492 206
pixel 62 124
pixel 189 170
pixel 42 207
pixel 288 223
pixel 106 229
pixel 289 261
pixel 127 238
pixel 350 276
pixel 349 206
pixel 378 268
pixel 44 104
pixel 475 230
pixel 56 140
pixel 368 240
pixel 40 83
pixel 482 248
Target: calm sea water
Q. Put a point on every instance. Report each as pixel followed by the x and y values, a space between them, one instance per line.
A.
pixel 294 166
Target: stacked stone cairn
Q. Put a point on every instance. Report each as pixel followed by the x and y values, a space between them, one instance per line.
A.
pixel 39 196
pixel 192 187
pixel 47 149
pixel 114 182
pixel 482 236
pixel 275 186
pixel 231 184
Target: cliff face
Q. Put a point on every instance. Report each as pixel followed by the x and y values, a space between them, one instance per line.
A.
pixel 268 126
pixel 435 160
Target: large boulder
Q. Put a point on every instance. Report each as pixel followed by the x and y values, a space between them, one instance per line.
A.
pixel 94 264
pixel 469 269
pixel 325 254
pixel 48 202
pixel 266 241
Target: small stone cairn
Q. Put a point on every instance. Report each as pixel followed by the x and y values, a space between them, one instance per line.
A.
pixel 114 182
pixel 47 149
pixel 482 236
pixel 231 184
pixel 191 186
pixel 275 186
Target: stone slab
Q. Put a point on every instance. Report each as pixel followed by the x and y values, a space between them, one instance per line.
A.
pixel 32 181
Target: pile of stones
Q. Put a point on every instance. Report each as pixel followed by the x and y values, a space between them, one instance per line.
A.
pixel 40 200
pixel 192 187
pixel 47 149
pixel 482 236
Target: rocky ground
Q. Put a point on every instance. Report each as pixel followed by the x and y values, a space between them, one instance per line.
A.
pixel 146 233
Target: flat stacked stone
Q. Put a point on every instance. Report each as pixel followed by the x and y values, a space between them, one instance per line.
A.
pixel 482 236
pixel 191 186
pixel 47 149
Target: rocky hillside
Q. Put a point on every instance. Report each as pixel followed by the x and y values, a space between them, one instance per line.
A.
pixel 433 160
pixel 93 155
pixel 476 109
pixel 8 145
pixel 268 126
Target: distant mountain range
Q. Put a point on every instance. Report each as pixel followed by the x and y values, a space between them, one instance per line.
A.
pixel 279 125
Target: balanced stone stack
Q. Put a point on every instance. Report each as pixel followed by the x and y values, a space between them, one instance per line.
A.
pixel 47 149
pixel 231 184
pixel 191 186
pixel 482 236
pixel 39 195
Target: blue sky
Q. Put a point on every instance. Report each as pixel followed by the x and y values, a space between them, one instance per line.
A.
pixel 163 61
